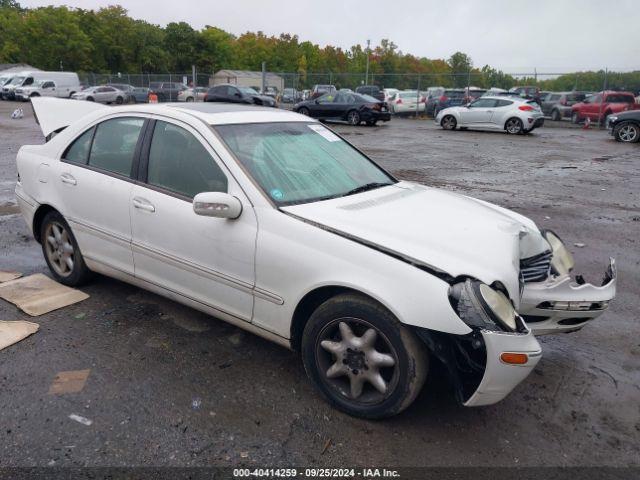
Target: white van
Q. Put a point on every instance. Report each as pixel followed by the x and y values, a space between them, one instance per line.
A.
pixel 36 83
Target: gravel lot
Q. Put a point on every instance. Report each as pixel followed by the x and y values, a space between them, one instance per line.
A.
pixel 171 386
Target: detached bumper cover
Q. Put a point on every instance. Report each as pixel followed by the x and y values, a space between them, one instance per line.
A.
pixel 501 378
pixel 566 304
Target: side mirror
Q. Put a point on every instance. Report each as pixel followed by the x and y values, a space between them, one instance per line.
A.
pixel 217 204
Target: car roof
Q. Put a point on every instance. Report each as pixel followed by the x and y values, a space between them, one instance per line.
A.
pixel 219 113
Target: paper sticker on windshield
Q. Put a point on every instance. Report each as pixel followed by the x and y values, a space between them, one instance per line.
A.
pixel 327 134
pixel 277 194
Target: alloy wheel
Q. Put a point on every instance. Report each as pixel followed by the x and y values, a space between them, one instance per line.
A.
pixel 628 133
pixel 353 118
pixel 59 249
pixel 448 122
pixel 514 126
pixel 358 361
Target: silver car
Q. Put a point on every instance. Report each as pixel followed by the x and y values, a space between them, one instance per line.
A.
pixel 101 94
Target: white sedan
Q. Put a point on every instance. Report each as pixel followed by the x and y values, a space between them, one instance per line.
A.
pixel 269 220
pixel 504 113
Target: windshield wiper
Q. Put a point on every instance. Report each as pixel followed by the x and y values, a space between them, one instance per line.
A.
pixel 366 187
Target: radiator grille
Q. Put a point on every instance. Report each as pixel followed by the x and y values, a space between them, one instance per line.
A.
pixel 536 269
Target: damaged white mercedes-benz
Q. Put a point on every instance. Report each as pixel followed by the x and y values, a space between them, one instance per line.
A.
pixel 271 221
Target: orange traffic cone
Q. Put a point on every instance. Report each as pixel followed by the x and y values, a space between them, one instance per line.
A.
pixel 587 124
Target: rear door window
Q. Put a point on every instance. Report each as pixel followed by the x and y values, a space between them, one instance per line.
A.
pixel 78 151
pixel 114 145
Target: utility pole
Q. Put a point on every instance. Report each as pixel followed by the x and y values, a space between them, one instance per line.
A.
pixel 366 76
pixel 264 77
pixel 194 83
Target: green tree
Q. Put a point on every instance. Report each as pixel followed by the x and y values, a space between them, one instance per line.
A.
pixel 461 66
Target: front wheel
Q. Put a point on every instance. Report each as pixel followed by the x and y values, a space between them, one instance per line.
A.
pixel 361 359
pixel 449 122
pixel 514 126
pixel 353 118
pixel 189 99
pixel 555 116
pixel 303 111
pixel 61 251
pixel 119 100
pixel 627 132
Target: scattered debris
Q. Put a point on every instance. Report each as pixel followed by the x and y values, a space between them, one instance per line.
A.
pixel 80 316
pixel 579 245
pixel 244 454
pixel 72 381
pixel 236 339
pixel 225 365
pixel 17 114
pixel 191 324
pixel 196 402
pixel 8 276
pixel 38 294
pixel 326 446
pixel 13 332
pixel 81 419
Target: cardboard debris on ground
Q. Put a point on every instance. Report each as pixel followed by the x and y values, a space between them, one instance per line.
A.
pixel 69 382
pixel 7 276
pixel 38 294
pixel 13 332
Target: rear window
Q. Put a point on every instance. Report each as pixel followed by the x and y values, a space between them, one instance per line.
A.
pixel 408 94
pixel 454 93
pixel 620 98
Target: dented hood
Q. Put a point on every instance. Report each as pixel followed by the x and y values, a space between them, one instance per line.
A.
pixel 54 114
pixel 451 234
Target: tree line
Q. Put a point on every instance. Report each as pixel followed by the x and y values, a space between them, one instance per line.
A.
pixel 108 40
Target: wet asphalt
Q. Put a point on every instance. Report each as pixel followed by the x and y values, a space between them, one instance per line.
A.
pixel 169 386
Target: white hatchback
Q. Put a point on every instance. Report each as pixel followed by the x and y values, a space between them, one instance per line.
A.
pixel 511 114
pixel 269 220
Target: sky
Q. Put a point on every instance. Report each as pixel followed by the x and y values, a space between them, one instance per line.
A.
pixel 515 36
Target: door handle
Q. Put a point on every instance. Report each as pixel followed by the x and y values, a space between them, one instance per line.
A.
pixel 68 178
pixel 143 204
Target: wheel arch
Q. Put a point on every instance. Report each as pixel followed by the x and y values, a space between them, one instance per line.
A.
pixel 312 300
pixel 38 217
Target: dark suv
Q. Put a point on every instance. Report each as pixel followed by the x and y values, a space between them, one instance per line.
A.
pixel 372 91
pixel 450 98
pixel 166 91
pixel 236 94
pixel 557 105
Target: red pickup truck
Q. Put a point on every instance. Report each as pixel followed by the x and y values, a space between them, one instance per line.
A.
pixel 598 106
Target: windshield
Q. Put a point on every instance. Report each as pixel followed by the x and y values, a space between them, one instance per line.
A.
pixel 16 80
pixel 248 90
pixel 298 162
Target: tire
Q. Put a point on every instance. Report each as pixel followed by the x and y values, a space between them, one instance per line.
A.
pixel 35 95
pixel 90 99
pixel 353 118
pixel 627 132
pixel 514 126
pixel 189 99
pixel 555 115
pixel 119 100
pixel 575 118
pixel 448 122
pixel 303 111
pixel 342 336
pixel 59 245
pixel 71 94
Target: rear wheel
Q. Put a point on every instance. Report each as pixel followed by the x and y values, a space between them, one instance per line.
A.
pixel 555 115
pixel 189 99
pixel 361 359
pixel 119 100
pixel 514 126
pixel 61 251
pixel 449 122
pixel 90 99
pixel 353 118
pixel 627 132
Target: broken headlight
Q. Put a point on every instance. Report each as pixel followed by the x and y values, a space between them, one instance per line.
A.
pixel 479 305
pixel 562 261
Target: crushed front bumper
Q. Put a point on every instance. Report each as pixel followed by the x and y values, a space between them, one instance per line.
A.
pixel 566 303
pixel 500 378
